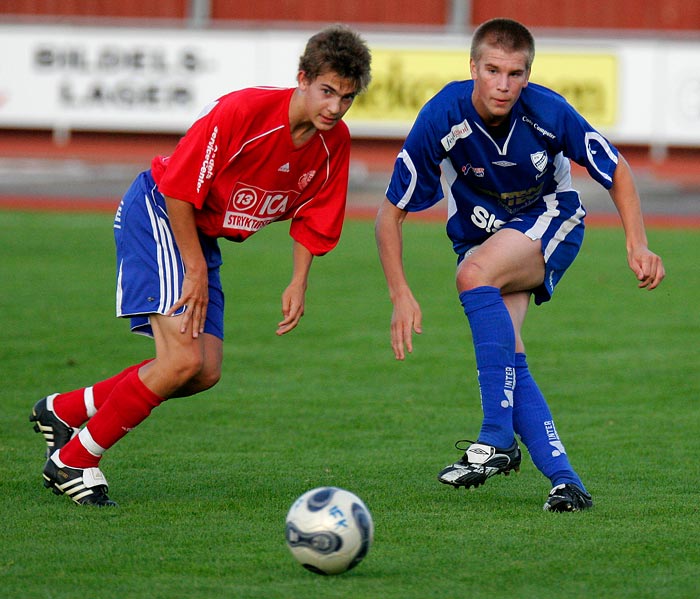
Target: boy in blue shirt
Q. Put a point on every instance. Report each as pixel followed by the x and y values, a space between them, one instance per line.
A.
pixel 502 146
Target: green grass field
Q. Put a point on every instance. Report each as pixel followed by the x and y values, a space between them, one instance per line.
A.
pixel 205 483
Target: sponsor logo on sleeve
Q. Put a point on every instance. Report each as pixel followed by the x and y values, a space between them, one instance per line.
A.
pixel 206 171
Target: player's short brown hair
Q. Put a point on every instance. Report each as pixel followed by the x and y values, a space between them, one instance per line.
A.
pixel 507 34
pixel 339 49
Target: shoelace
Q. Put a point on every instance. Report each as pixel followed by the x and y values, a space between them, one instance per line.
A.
pixel 468 443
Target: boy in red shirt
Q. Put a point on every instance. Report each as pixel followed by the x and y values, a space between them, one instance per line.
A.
pixel 253 157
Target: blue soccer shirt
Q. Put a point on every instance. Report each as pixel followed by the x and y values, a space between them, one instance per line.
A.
pixel 490 178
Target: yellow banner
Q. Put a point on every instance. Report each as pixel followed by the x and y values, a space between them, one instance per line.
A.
pixel 590 83
pixel 403 80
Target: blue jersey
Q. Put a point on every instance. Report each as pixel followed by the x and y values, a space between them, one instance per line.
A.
pixel 491 177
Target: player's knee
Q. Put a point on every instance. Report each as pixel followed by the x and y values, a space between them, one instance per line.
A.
pixel 208 377
pixel 470 275
pixel 183 368
pixel 205 379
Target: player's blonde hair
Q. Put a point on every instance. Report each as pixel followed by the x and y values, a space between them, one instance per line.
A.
pixel 507 34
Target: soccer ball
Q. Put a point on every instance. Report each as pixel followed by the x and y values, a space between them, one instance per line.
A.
pixel 329 530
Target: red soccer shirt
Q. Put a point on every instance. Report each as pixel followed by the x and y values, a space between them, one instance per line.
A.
pixel 238 166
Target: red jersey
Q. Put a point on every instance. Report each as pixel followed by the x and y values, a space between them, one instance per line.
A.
pixel 238 166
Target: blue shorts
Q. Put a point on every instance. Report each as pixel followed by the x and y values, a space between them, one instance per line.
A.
pixel 559 226
pixel 150 270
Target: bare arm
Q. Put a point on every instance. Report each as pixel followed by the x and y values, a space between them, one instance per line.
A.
pixel 406 317
pixel 647 266
pixel 294 295
pixel 195 287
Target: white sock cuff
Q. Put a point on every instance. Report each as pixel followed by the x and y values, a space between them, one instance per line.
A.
pixel 89 443
pixel 89 399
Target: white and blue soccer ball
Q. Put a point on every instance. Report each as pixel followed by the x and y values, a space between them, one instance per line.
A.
pixel 329 530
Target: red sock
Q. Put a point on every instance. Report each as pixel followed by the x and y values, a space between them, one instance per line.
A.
pixel 129 404
pixel 72 407
pixel 101 390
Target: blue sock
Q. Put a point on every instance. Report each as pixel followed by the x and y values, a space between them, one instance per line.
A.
pixel 494 348
pixel 533 422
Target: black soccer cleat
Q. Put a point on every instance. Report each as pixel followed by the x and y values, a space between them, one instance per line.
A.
pixel 85 486
pixel 567 498
pixel 479 462
pixel 56 432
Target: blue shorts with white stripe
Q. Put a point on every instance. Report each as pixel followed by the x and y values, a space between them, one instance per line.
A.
pixel 557 221
pixel 150 270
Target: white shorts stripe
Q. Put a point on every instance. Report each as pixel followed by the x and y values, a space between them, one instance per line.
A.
pixel 120 293
pixel 566 227
pixel 166 259
pixel 545 219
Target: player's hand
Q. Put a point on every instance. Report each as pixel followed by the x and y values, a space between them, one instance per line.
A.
pixel 292 308
pixel 195 298
pixel 647 267
pixel 405 320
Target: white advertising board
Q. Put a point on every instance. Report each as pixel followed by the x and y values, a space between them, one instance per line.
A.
pixel 132 79
pixel 640 91
pixel 676 88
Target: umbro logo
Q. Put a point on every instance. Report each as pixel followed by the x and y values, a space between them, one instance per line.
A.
pixel 284 168
pixel 478 451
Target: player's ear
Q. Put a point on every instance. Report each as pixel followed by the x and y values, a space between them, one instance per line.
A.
pixel 472 68
pixel 302 80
